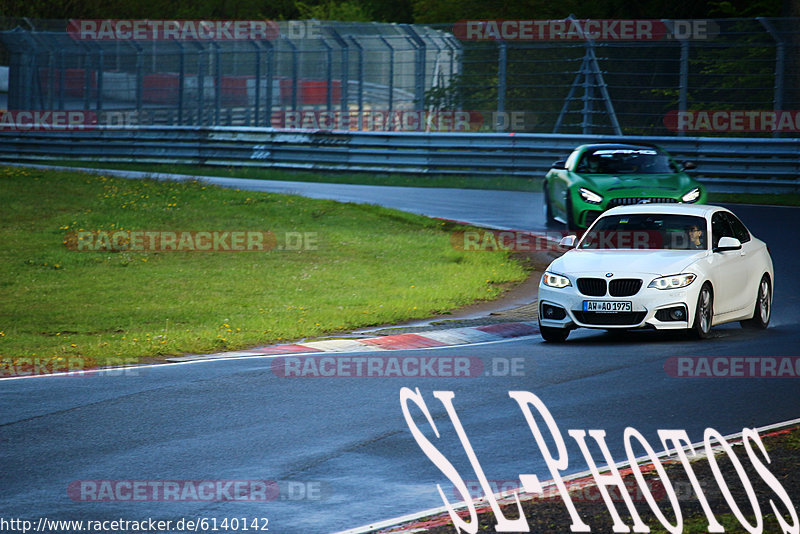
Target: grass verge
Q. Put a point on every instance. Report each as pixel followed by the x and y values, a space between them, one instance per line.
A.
pixel 342 266
pixel 263 173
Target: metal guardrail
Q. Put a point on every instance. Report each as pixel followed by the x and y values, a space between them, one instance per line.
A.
pixel 758 162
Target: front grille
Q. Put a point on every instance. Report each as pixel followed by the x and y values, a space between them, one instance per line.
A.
pixel 624 287
pixel 611 319
pixel 594 287
pixel 590 217
pixel 627 201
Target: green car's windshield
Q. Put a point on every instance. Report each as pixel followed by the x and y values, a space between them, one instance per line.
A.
pixel 647 231
pixel 625 161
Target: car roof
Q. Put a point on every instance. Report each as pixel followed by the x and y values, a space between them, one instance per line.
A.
pixel 597 146
pixel 699 210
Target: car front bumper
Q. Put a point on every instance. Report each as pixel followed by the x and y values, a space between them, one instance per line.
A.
pixel 650 307
pixel 585 213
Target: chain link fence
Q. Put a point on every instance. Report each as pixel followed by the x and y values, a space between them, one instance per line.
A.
pixel 711 77
pixel 638 86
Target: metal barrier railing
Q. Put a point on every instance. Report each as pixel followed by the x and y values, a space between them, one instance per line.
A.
pixel 760 162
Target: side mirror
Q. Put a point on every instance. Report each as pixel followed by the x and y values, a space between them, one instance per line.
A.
pixel 568 241
pixel 688 165
pixel 560 164
pixel 728 243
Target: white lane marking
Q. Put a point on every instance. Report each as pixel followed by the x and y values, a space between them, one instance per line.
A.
pixel 211 358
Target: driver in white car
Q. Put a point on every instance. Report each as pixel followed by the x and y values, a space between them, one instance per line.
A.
pixel 696 240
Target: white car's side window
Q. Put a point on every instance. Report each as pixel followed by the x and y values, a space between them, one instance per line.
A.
pixel 739 230
pixel 720 228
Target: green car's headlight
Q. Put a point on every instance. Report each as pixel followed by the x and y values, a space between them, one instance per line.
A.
pixel 691 196
pixel 555 280
pixel 673 282
pixel 590 196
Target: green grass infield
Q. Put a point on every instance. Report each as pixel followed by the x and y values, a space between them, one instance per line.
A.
pixel 105 271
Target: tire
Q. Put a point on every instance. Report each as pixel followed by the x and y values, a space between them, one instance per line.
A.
pixel 571 226
pixel 704 313
pixel 552 334
pixel 548 209
pixel 763 307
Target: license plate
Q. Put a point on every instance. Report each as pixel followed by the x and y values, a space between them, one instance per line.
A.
pixel 607 306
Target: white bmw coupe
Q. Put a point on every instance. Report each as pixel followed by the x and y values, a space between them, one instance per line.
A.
pixel 663 266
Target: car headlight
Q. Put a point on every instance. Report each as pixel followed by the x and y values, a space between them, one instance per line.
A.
pixel 691 196
pixel 590 196
pixel 555 280
pixel 675 281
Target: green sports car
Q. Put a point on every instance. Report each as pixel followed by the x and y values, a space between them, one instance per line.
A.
pixel 598 177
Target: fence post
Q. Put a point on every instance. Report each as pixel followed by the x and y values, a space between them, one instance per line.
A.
pixel 419 67
pixel 50 78
pixel 61 79
pixel 139 81
pixel 451 81
pixel 502 57
pixel 294 72
pixel 328 74
pixel 201 81
pixel 87 76
pixel 100 69
pixel 683 91
pixel 217 84
pixel 390 103
pixel 181 81
pixel 257 88
pixel 360 98
pixel 270 79
pixel 345 75
pixel 780 65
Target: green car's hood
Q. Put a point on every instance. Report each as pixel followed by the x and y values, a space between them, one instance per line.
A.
pixel 637 183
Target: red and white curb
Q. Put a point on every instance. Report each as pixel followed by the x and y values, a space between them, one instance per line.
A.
pixel 420 340
pixel 437 517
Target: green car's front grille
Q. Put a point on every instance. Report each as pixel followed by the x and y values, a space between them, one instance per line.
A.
pixel 628 201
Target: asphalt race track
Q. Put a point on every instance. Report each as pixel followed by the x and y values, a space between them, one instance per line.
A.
pixel 340 447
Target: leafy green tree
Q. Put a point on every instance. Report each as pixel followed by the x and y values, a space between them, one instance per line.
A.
pixel 347 10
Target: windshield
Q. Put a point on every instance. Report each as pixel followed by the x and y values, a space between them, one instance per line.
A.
pixel 647 231
pixel 625 161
